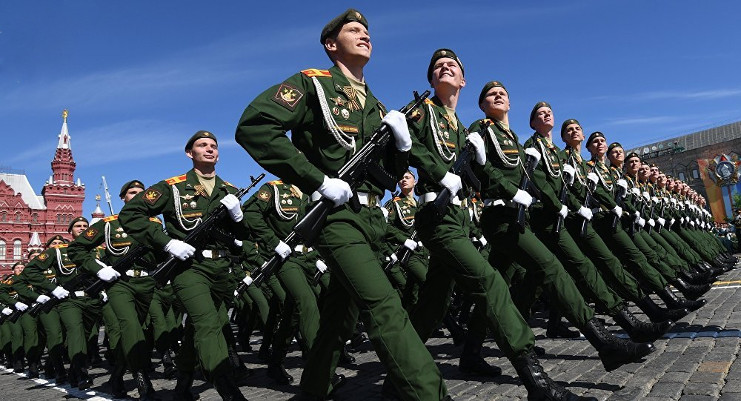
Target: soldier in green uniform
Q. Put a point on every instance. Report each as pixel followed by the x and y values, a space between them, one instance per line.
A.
pixel 271 213
pixel 439 138
pixel 78 312
pixel 513 241
pixel 549 178
pixel 12 332
pixel 129 298
pixel 203 286
pixel 331 113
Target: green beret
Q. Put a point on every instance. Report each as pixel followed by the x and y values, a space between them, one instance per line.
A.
pixel 198 135
pixel 16 264
pixel 487 88
pixel 348 16
pixel 567 123
pixel 55 237
pixel 442 53
pixel 75 220
pixel 653 165
pixel 535 110
pixel 595 135
pixel 632 154
pixel 129 185
pixel 614 145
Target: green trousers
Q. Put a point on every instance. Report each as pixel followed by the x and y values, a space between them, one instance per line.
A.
pixel 510 245
pixel 162 317
pixel 671 253
pixel 52 325
pixel 455 260
pixel 112 326
pixel 78 316
pixel 296 275
pixel 130 301
pixel 346 243
pixel 640 239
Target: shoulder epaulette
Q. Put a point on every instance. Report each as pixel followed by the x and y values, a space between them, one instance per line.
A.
pixel 156 220
pixel 60 246
pixel 110 218
pixel 428 101
pixel 175 180
pixel 590 163
pixel 275 182
pixel 396 198
pixel 313 72
pixel 229 183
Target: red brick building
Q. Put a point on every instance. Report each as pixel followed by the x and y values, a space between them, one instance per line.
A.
pixel 27 219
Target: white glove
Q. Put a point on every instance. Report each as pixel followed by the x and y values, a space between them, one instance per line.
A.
pixel 483 241
pixel 651 222
pixel 564 211
pixel 247 280
pixel 478 143
pixel 238 243
pixel 385 214
pixel 231 203
pixel 393 257
pixel 104 296
pixel 569 173
pixel 419 244
pixel 398 124
pixel 593 177
pixel 523 198
pixel 681 220
pixel 21 306
pixel 635 191
pixel 623 184
pixel 336 190
pixel 283 250
pixel 661 221
pixel 179 249
pixel 108 274
pixel 452 182
pixel 692 223
pixel 618 211
pixel 642 222
pixel 410 244
pixel 646 196
pixel 671 222
pixel 655 199
pixel 60 293
pixel 637 215
pixel 7 311
pixel 42 299
pixel 321 266
pixel 585 212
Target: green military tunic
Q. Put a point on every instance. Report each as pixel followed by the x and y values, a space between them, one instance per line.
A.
pixel 328 122
pixel 13 341
pixel 203 286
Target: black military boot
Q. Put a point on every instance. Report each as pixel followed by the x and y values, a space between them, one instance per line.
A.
pixel 33 370
pixel 557 328
pixel 227 389
pixel 59 369
pixel 457 333
pixel 471 362
pixel 673 301
pixel 239 369
pixel 346 358
pixel 614 352
pixel 116 381
pixel 263 355
pixel 144 386
pixel 539 386
pixel 658 314
pixel 638 330
pixel 79 365
pixel 182 390
pixel 18 361
pixel 693 277
pixel 168 365
pixel 690 291
pixel 276 370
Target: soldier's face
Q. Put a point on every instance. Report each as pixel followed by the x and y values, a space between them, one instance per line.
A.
pixel 598 146
pixel 616 155
pixel 661 179
pixel 204 151
pixel 633 164
pixel 446 71
pixel 654 173
pixel 352 44
pixel 496 102
pixel 55 243
pixel 131 193
pixel 407 182
pixel 643 171
pixel 573 135
pixel 543 120
pixel 18 269
pixel 78 228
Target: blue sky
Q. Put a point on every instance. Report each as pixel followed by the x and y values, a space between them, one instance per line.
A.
pixel 140 77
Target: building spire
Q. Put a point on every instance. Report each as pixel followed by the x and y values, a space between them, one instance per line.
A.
pixel 64 139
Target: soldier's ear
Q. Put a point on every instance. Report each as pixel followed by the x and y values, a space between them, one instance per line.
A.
pixel 189 153
pixel 330 45
pixel 463 82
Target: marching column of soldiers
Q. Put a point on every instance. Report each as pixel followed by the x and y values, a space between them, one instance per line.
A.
pixel 485 228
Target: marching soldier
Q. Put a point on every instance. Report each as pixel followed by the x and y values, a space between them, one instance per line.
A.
pixel 203 286
pixel 14 344
pixel 331 113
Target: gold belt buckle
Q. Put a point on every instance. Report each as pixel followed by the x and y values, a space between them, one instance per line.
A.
pixel 137 273
pixel 372 200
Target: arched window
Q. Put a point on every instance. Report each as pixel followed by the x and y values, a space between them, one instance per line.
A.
pixel 4 216
pixel 17 249
pixel 35 218
pixel 59 218
pixel 3 250
pixel 17 217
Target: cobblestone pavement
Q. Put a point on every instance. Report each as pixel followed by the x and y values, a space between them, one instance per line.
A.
pixel 695 361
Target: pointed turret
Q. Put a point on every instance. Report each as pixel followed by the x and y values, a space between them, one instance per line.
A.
pixel 98 212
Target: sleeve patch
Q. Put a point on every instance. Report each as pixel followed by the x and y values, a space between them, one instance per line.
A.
pixel 43 256
pixel 287 96
pixel 264 195
pixel 417 114
pixel 151 195
pixel 91 232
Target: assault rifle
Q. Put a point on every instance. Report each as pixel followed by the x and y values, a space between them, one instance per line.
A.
pixel 620 201
pixel 71 286
pixel 588 200
pixel 170 267
pixel 353 173
pixel 122 265
pixel 568 180
pixel 402 254
pixel 653 208
pixel 533 158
